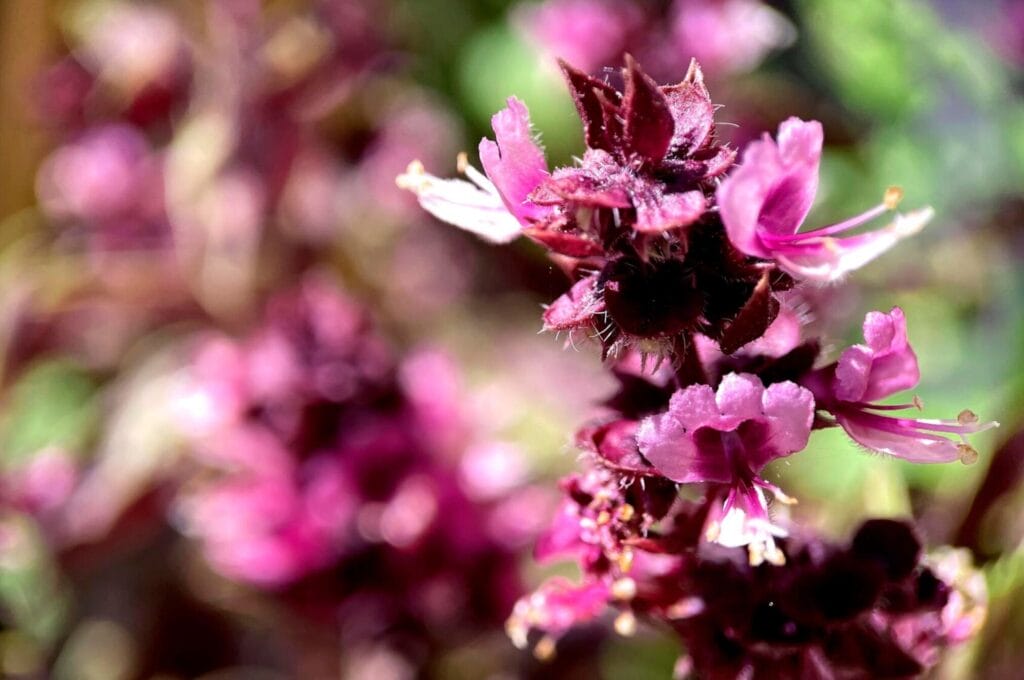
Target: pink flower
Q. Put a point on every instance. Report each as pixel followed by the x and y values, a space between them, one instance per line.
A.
pixel 587 33
pixel 495 206
pixel 554 608
pixel 728 35
pixel 727 437
pixel 764 202
pixel 886 364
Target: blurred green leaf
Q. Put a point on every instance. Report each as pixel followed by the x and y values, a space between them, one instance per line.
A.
pixel 52 404
pixel 497 64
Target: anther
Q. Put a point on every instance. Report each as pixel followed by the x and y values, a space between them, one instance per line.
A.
pixel 461 162
pixel 892 198
pixel 968 454
pixel 413 177
pixel 918 403
pixel 967 417
pixel 625 512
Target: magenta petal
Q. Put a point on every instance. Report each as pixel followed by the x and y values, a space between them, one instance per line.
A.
pixel 514 162
pixel 576 308
pixel 919 449
pixel 666 440
pixel 559 604
pixel 669 446
pixel 796 182
pixel 739 398
pixel 884 366
pixel 789 409
pixel 741 195
pixel 774 187
pixel 563 536
pixel 672 211
pixel 852 373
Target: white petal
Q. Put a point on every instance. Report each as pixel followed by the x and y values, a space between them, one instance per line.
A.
pixel 462 204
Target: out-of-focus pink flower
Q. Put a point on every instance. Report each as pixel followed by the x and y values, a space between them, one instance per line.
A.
pixel 43 483
pixel 554 608
pixel 726 36
pixel 886 364
pixel 727 437
pixel 330 470
pixel 587 33
pixel 109 181
pixel 764 202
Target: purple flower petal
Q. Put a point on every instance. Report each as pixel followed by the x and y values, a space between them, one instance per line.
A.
pixel 514 162
pixel 773 188
pixel 730 435
pixel 655 214
pixel 870 430
pixel 576 308
pixel 886 365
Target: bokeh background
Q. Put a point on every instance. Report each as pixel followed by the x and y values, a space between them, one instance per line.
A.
pixel 206 267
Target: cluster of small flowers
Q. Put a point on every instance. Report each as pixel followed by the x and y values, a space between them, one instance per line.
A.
pixel 340 479
pixel 684 266
pixel 191 153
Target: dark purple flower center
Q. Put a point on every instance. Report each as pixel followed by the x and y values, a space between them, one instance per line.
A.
pixel 652 300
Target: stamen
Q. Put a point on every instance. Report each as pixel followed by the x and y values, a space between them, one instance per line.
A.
pixel 414 178
pixel 755 554
pixel 967 417
pixel 478 178
pixel 845 225
pixel 968 454
pixel 916 403
pixel 775 556
pixel 892 198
